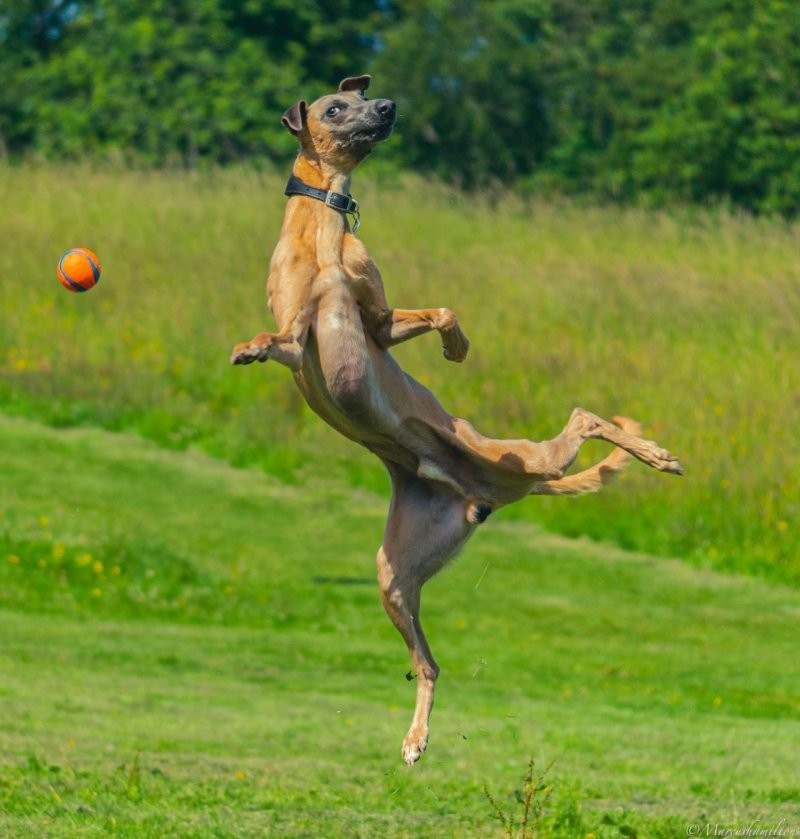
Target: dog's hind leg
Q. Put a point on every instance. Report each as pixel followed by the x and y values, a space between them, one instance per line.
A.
pixel 426 527
pixel 548 460
pixel 584 426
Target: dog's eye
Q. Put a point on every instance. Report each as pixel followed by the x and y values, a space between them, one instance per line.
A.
pixel 335 109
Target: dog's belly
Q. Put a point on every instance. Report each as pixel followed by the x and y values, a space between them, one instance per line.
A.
pixel 361 391
pixel 344 381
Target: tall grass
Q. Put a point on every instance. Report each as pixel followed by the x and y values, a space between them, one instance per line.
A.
pixel 687 321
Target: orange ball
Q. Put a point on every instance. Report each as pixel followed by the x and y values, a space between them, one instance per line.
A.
pixel 78 269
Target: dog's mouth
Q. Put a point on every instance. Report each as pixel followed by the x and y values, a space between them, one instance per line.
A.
pixel 378 123
pixel 372 133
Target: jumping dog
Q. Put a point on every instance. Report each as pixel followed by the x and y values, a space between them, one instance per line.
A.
pixel 335 329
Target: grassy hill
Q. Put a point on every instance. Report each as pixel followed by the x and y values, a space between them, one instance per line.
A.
pixel 687 322
pixel 191 649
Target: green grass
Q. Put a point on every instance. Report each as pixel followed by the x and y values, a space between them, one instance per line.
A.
pixel 236 676
pixel 191 641
pixel 687 321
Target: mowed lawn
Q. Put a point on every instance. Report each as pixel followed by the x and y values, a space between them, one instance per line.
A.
pixel 191 649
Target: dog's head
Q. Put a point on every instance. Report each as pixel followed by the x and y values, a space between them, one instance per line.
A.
pixel 342 129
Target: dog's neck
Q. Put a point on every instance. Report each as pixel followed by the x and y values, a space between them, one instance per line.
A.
pixel 317 174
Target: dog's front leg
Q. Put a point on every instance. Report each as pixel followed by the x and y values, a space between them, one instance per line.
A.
pixel 397 325
pixel 285 347
pixel 388 326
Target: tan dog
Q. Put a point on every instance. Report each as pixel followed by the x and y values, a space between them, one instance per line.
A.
pixel 334 331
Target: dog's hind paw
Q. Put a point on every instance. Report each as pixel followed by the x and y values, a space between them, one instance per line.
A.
pixel 414 745
pixel 671 464
pixel 652 454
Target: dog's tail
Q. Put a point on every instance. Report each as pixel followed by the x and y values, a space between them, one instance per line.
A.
pixel 595 477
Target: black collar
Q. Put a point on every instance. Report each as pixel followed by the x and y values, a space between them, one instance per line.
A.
pixel 337 200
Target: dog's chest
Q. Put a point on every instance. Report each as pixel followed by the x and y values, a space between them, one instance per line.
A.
pixel 356 261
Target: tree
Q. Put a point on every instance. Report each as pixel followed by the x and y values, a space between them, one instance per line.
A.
pixel 29 32
pixel 467 76
pixel 733 132
pixel 175 79
pixel 650 100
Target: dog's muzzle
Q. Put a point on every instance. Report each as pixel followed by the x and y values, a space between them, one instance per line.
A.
pixel 387 111
pixel 379 123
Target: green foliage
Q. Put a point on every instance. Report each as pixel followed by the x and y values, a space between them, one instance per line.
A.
pixel 731 131
pixel 663 103
pixel 157 80
pixel 530 800
pixel 166 81
pixel 470 86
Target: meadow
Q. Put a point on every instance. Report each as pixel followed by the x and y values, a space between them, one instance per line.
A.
pixel 191 641
pixel 687 322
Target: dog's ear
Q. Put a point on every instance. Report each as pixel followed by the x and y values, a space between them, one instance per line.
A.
pixel 359 83
pixel 295 118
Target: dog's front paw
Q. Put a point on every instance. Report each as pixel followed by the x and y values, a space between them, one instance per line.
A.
pixel 250 351
pixel 243 354
pixel 454 341
pixel 456 345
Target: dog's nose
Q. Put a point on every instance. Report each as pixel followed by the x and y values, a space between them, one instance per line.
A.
pixel 386 108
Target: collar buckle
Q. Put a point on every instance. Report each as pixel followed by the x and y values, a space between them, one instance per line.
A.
pixel 343 203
